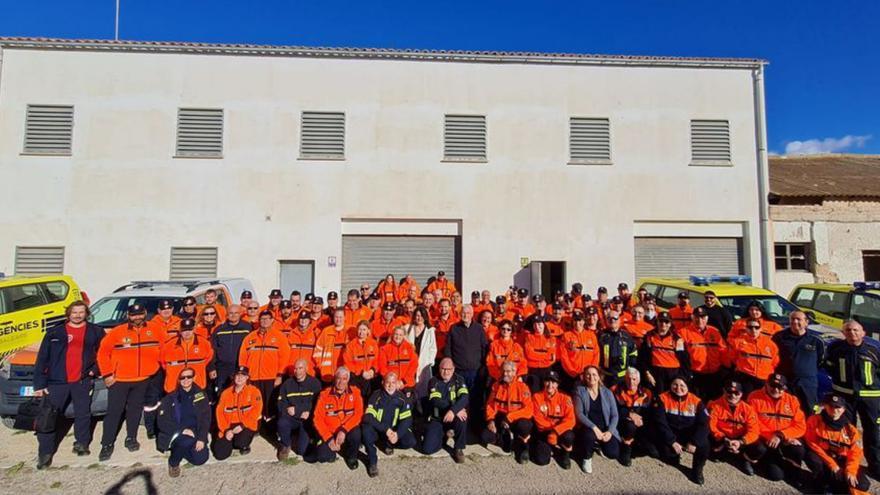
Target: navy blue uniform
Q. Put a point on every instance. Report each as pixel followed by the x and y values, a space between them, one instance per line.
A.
pixel 442 398
pixel 800 357
pixel 617 353
pixel 386 412
pixel 226 341
pixel 179 411
pixel 301 396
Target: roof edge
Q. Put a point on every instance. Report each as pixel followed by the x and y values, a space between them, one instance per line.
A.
pixel 377 53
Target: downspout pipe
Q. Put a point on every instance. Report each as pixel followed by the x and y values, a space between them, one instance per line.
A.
pixel 766 247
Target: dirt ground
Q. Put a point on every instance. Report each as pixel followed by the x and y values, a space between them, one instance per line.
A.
pixel 486 471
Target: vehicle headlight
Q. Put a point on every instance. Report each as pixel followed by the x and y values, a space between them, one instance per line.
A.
pixel 5 368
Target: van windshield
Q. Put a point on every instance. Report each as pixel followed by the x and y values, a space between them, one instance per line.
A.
pixel 111 311
pixel 776 308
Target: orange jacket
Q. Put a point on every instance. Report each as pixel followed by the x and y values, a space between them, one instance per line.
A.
pixel 681 317
pixel 276 311
pixel 354 316
pixel 167 328
pixel 577 350
pixel 266 355
pixel 632 399
pixel 361 356
pixel 329 344
pixel 540 351
pixel 177 354
pixel 554 414
pixel 523 310
pixel 737 423
pixel 491 332
pixel 637 330
pixel 383 330
pixel 403 290
pixel 505 350
pixel 663 349
pixel 769 328
pixel 338 412
pixel 756 358
pixel 707 350
pixel 130 354
pixel 835 446
pixel 388 292
pixel 221 312
pixel 782 416
pixel 479 308
pixel 400 358
pixel 302 346
pixel 202 330
pixel 445 286
pixel 441 330
pixel 513 399
pixel 243 408
pixel 556 329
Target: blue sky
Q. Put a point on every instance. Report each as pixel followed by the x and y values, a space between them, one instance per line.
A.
pixel 822 82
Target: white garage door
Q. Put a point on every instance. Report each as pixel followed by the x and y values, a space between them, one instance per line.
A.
pixel 685 256
pixel 368 259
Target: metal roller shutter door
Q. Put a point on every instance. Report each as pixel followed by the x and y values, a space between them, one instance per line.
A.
pixel 685 256
pixel 367 259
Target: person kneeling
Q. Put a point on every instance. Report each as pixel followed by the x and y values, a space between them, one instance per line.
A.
pixel 389 417
pixel 447 411
pixel 734 428
pixel 781 448
pixel 296 399
pixel 835 454
pixel 183 421
pixel 238 416
pixel 337 420
pixel 681 426
pixel 554 422
pixel 509 414
pixel 596 412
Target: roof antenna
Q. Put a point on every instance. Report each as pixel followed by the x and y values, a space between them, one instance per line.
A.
pixel 116 30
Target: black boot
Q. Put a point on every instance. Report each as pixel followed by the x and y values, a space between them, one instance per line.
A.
pixel 106 453
pixel 44 461
pixel 626 454
pixel 565 460
pixel 80 449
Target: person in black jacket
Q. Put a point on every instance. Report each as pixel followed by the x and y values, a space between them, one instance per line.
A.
pixel 65 368
pixel 446 410
pixel 226 342
pixel 184 420
pixel 296 399
pixel 681 425
pixel 719 316
pixel 467 345
pixel 388 416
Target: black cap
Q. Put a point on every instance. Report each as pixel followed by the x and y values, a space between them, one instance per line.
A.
pixel 318 300
pixel 834 399
pixel 500 300
pixel 266 312
pixel 577 315
pixel 683 295
pixel 602 290
pixel 187 324
pixel 389 306
pixel 591 310
pixel 777 380
pixel 733 386
pixel 242 370
pixel 246 294
pixel 166 304
pixel 622 285
pixel 308 297
pixel 616 300
pixel 137 309
pixel 286 304
pixel 375 295
pixel 586 298
pixel 538 298
pixel 538 317
pixel 522 292
pixel 275 293
pixel 557 307
pixel 701 311
pixel 664 316
pixel 332 295
pixel 577 287
pixel 552 377
pixel 189 300
pixel 558 293
pixel 441 273
pixel 475 293
pixel 306 315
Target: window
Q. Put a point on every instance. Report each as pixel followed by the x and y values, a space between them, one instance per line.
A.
pixel 48 130
pixel 589 140
pixel 831 303
pixel 56 291
pixel 866 310
pixel 193 263
pixel 199 133
pixel 39 260
pixel 667 297
pixel 21 297
pixel 710 142
pixel 871 264
pixel 804 297
pixel 792 256
pixel 464 138
pixel 322 136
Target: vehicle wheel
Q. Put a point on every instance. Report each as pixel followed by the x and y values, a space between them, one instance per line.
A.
pixel 8 421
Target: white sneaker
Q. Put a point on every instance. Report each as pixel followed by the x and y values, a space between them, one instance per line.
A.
pixel 587 466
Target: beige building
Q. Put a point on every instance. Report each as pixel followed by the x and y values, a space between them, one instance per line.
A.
pixel 826 219
pixel 320 169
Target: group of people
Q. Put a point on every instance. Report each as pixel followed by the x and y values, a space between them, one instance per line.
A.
pixel 401 367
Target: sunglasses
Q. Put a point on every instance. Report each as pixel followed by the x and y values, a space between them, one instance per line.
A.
pixel 209 314
pixel 734 392
pixel 254 308
pixel 754 327
pixel 189 304
pixel 506 329
pixel 186 377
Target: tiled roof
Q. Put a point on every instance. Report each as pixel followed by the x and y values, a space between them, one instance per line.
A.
pixel 833 175
pixel 339 52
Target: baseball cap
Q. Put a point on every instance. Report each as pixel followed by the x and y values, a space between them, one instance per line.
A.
pixel 500 300
pixel 309 296
pixel 475 293
pixel 389 306
pixel 306 315
pixel 275 293
pixel 375 295
pixel 137 309
pixel 552 377
pixel 246 294
pixel 522 292
pixel 441 273
pixel 187 324
pixel 166 304
pixel 700 311
pixel 318 300
pixel 733 386
pixel 622 285
pixel 777 380
pixel 577 315
pixel 616 300
pixel 242 370
pixel 286 304
pixel 266 312
pixel 602 290
pixel 591 310
pixel 536 318
pixel 683 295
pixel 577 287
pixel 664 316
pixel 834 399
pixel 538 298
pixel 332 295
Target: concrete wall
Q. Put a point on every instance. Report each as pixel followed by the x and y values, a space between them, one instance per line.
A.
pixel 838 232
pixel 121 201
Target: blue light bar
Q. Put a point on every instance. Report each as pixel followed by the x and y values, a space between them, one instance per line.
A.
pixel 714 279
pixel 866 285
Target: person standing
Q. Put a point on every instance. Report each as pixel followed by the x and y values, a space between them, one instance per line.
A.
pixel 265 352
pixel 424 341
pixel 467 345
pixel 801 354
pixel 226 342
pixel 183 421
pixel 64 372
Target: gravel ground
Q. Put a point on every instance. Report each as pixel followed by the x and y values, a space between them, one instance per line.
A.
pixel 486 471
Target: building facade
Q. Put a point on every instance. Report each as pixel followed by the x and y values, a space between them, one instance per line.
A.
pixel 321 169
pixel 826 219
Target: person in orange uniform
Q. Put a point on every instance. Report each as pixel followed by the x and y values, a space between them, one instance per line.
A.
pixel 296 305
pixel 706 350
pixel 734 429
pixel 337 420
pixel 212 302
pixel 633 409
pixel 302 343
pixel 238 416
pixel 663 356
pixel 483 302
pixel 540 348
pixel 444 322
pixel 835 452
pixel 399 356
pixel 504 349
pixel 509 413
pixel 187 350
pixel 361 357
pixel 320 319
pixel 554 424
pixel 388 289
pixel 754 311
pixel 128 358
pixel 355 311
pixel 252 314
pixel 441 283
pixel 487 319
pixel 578 348
pixel 165 322
pixel 208 322
pixel 329 343
pixel 780 449
pixel 287 321
pixel 557 322
pixel 754 357
pixel 522 306
pixel 682 312
pixel 637 327
pixel 408 287
pixel 274 304
pixel 266 353
pixel 385 325
pixel 681 425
